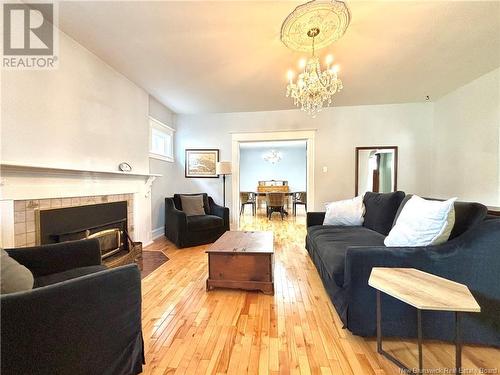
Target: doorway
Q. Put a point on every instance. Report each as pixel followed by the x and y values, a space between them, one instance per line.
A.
pixel 268 145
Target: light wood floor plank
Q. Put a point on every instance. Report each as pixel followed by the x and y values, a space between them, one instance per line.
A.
pixel 296 331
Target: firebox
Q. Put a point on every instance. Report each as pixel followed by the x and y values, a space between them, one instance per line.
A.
pixel 110 241
pixel 107 222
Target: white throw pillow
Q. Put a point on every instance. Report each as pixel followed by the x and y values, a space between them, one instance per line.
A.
pixel 14 277
pixel 346 212
pixel 423 222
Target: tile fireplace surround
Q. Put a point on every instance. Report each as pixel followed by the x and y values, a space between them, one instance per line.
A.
pixel 25 218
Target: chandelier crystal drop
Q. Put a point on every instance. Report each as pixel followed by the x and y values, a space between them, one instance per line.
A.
pixel 314 87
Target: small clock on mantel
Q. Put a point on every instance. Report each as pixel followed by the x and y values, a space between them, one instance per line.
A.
pixel 125 167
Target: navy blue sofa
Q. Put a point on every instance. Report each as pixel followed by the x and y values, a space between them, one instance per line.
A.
pixel 344 257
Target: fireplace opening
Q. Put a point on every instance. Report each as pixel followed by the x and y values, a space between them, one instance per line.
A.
pixel 110 241
pixel 107 222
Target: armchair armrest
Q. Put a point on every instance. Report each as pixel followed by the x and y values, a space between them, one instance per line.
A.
pixel 91 324
pixel 222 212
pixel 315 218
pixel 175 222
pixel 59 257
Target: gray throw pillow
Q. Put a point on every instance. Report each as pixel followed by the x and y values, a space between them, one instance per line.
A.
pixel 14 277
pixel 192 205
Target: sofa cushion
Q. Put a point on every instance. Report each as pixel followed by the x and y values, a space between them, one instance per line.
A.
pixel 380 210
pixel 467 215
pixel 204 222
pixel 14 277
pixel 192 205
pixel 423 223
pixel 346 212
pixel 331 243
pixel 178 202
pixel 67 275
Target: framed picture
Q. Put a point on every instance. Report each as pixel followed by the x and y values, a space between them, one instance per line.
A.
pixel 200 163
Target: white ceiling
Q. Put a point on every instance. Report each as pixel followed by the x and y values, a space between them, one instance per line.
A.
pixel 219 56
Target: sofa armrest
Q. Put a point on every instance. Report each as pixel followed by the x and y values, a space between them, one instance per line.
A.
pixel 315 218
pixel 58 257
pixel 222 212
pixel 91 324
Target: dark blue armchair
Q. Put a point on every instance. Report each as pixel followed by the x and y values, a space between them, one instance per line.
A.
pixel 80 318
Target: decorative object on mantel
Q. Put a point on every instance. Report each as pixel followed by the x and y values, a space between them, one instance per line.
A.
pixel 223 168
pixel 201 163
pixel 124 167
pixel 273 157
pixel 314 25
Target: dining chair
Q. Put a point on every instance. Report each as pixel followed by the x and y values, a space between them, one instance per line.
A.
pixel 247 197
pixel 299 198
pixel 275 202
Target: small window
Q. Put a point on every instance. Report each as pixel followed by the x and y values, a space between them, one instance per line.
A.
pixel 161 140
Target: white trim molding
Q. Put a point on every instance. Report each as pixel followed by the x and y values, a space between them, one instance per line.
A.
pixel 157 233
pixel 292 135
pixel 165 131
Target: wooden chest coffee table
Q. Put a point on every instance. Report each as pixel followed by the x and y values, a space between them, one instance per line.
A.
pixel 242 260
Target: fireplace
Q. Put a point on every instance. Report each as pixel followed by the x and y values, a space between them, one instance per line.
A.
pixel 110 241
pixel 107 222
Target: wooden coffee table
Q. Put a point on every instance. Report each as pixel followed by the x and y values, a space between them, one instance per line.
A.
pixel 423 291
pixel 242 260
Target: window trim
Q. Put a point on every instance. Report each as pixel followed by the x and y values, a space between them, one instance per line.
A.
pixel 155 123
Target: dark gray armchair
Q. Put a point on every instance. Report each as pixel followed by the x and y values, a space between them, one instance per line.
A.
pixel 187 231
pixel 80 318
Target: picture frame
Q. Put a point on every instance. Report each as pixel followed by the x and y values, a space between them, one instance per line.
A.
pixel 201 163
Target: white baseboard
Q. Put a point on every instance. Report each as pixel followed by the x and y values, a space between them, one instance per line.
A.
pixel 146 244
pixel 157 233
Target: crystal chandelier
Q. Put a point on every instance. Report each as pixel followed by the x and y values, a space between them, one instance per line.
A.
pixel 272 157
pixel 314 25
pixel 314 87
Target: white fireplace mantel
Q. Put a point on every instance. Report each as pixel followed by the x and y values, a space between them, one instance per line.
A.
pixel 57 169
pixel 40 182
pixel 28 181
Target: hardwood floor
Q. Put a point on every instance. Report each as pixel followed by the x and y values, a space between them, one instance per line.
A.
pixel 296 331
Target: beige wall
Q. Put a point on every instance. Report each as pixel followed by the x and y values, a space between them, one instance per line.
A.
pixel 82 115
pixel 339 131
pixel 466 142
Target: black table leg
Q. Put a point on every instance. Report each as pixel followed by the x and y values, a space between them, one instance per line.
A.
pixel 419 335
pixel 458 344
pixel 380 350
pixel 379 324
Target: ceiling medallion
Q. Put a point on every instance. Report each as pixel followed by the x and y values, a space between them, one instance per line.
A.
pixel 331 17
pixel 312 26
